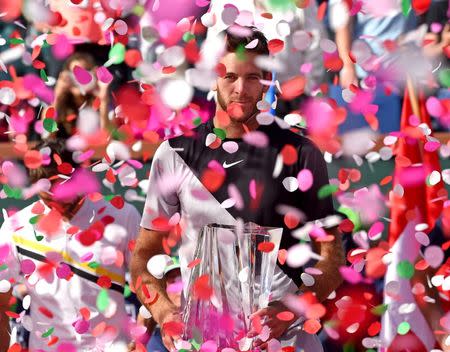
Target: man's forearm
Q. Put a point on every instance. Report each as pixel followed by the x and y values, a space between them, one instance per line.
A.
pixel 4 322
pixel 333 258
pixel 149 244
pixel 344 43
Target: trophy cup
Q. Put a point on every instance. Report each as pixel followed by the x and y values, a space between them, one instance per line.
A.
pixel 232 280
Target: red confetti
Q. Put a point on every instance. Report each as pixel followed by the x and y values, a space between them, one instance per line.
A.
pixel 275 46
pixel 221 70
pixel 168 70
pixel 192 52
pixel 195 262
pixel 133 58
pixel 32 159
pixel 346 225
pixel 285 316
pixel 13 315
pixel 201 288
pixel 289 154
pixel 104 281
pixel 173 328
pixel 420 6
pixel 87 237
pixel 291 220
pixel 374 328
pixel 15 348
pixel 85 313
pixel 117 202
pixel 311 326
pixel 321 11
pixel 212 179
pixel 293 87
pixel 282 256
pixel 45 311
pixel 266 247
pixel 65 168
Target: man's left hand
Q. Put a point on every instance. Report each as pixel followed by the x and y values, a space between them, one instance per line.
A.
pixel 269 318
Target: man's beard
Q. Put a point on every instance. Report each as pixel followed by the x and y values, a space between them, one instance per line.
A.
pixel 224 107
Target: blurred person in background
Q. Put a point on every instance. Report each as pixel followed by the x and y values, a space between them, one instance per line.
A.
pixel 72 252
pixel 71 96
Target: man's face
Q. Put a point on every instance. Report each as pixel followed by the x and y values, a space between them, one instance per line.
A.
pixel 240 88
pixel 63 207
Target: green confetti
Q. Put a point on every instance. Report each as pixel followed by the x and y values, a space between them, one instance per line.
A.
pixel 102 300
pixel 240 52
pixel 197 121
pixel 38 238
pixel 3 267
pixel 379 310
pixel 220 133
pixel 45 44
pixel 15 41
pixel 406 7
pixel 349 347
pixel 50 125
pixel 405 269
pixel 195 344
pixel 34 219
pixel 352 216
pixel 14 193
pixel 48 332
pixel 188 36
pixel 108 197
pixel 116 54
pixel 43 75
pixel 444 77
pixel 326 191
pixel 138 10
pixel 403 328
pixel 126 291
pixel 93 265
pixel 279 4
pixel 370 350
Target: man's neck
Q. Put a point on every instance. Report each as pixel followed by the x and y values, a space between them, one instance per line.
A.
pixel 70 212
pixel 237 129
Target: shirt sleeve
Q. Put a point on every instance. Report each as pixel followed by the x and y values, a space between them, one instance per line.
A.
pixel 314 207
pixel 134 219
pixel 162 200
pixel 9 258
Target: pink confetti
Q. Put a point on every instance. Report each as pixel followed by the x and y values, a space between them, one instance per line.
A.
pixel 81 183
pixel 256 138
pixel 66 347
pixel 432 146
pixel 86 257
pixel 434 256
pixel 82 75
pixel 62 47
pixel 434 107
pixel 104 75
pixel 375 230
pixel 63 271
pixel 86 155
pixel 209 346
pixel 27 266
pixel 305 180
pixel 81 326
pixel 350 275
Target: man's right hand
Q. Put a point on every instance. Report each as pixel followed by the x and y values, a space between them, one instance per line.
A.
pixel 168 315
pixel 348 76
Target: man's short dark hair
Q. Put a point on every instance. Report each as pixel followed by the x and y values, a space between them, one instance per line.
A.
pixel 234 42
pixel 58 147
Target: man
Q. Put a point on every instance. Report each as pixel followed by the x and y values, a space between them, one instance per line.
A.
pixel 193 178
pixel 71 251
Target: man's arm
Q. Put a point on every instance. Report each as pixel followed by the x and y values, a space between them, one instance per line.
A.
pixel 344 45
pixel 432 311
pixel 333 258
pixel 149 244
pixel 4 321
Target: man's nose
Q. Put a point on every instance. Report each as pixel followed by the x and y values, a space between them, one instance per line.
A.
pixel 239 85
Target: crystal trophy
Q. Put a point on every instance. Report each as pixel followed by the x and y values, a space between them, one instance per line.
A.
pixel 232 280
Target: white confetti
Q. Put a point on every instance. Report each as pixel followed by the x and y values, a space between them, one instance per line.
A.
pixel 176 93
pixel 157 264
pixel 290 183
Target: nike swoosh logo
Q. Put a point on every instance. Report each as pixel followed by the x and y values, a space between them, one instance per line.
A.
pixel 226 166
